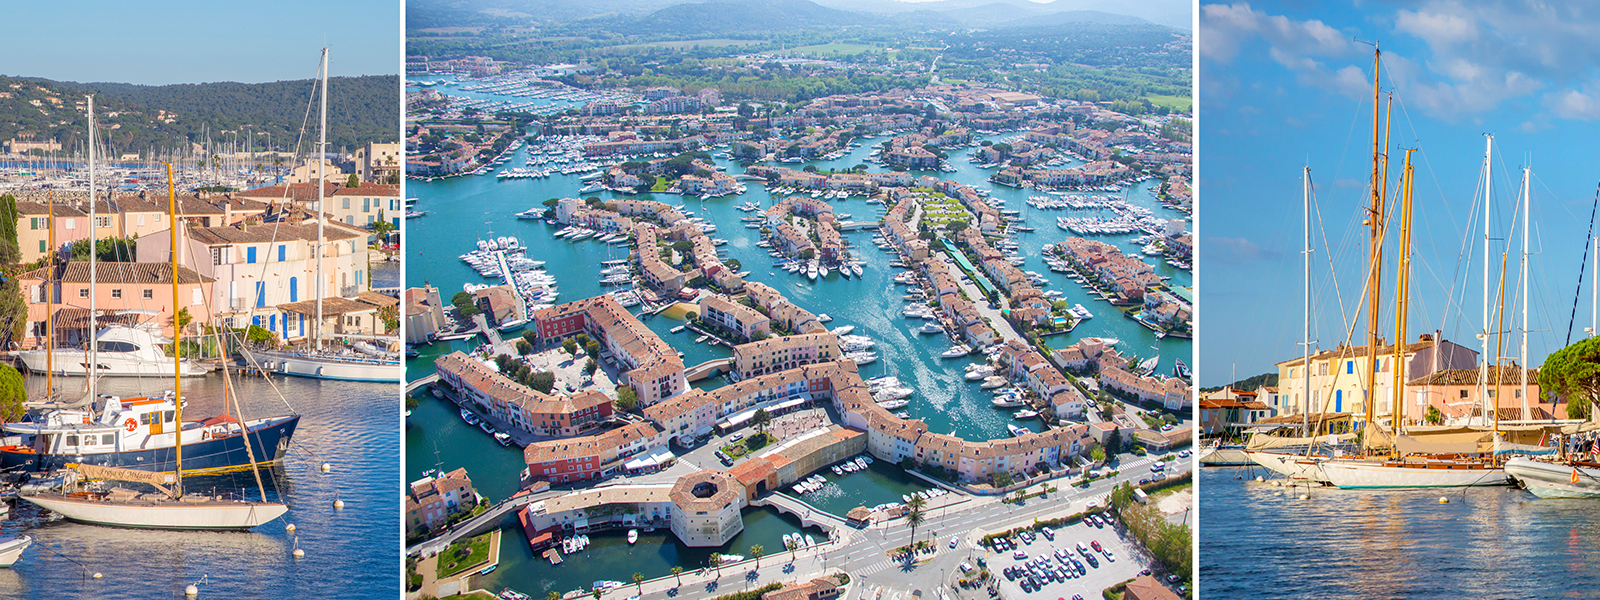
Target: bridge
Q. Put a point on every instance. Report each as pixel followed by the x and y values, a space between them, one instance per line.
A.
pixel 488 520
pixel 708 369
pixel 810 516
pixel 417 385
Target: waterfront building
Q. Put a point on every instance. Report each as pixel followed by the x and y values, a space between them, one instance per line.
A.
pixel 434 499
pixel 424 314
pixel 820 588
pixel 649 365
pixel 1455 394
pixel 747 322
pixel 1338 375
pixel 137 294
pixel 522 406
pixel 596 509
pixel 783 353
pixel 707 508
pixel 34 223
pixel 592 457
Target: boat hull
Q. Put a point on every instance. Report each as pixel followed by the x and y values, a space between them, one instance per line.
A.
pixel 1360 474
pixel 75 363
pixel 11 550
pixel 1549 480
pixel 328 368
pixel 218 455
pixel 212 515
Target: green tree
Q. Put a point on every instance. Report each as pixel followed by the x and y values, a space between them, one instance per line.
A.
pixel 12 393
pixel 755 552
pixel 638 582
pixel 570 346
pixel 10 252
pixel 677 573
pixel 627 399
pixel 543 382
pixel 1573 373
pixel 955 225
pixel 1098 454
pixel 761 419
pixel 791 545
pixel 381 227
pixel 352 181
pixel 716 562
pixel 588 367
pixel 915 517
pixel 523 347
pixel 592 348
pixel 1434 417
pixel 553 596
pixel 1001 479
pixel 596 594
pixel 531 336
pixel 683 245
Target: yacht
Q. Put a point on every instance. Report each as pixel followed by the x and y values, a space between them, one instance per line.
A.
pixel 1017 431
pixel 11 549
pixel 956 351
pixel 1007 401
pixel 930 327
pixel 120 351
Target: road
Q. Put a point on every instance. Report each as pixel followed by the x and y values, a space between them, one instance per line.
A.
pixel 864 554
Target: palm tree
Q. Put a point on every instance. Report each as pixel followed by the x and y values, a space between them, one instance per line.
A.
pixel 756 551
pixel 595 593
pixel 915 518
pixel 638 582
pixel 716 562
pixel 554 596
pixel 791 544
pixel 677 572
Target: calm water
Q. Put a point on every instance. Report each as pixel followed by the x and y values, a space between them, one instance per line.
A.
pixel 350 553
pixel 1486 543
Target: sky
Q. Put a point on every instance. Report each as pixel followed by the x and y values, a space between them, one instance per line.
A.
pixel 189 41
pixel 1288 85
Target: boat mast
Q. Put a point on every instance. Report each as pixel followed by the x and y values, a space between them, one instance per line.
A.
pixel 322 153
pixel 1305 333
pixel 1402 300
pixel 177 329
pixel 94 345
pixel 1527 412
pixel 1483 368
pixel 49 299
pixel 1375 242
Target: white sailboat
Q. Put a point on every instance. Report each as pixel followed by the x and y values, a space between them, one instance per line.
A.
pixel 373 364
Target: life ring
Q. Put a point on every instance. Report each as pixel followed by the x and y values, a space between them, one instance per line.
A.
pixel 131 424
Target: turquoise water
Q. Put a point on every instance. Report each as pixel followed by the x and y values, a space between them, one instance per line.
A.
pixel 881 483
pixel 465 209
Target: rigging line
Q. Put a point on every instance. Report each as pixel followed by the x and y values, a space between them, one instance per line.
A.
pixel 1577 295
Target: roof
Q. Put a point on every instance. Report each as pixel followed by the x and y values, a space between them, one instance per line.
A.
pixel 268 233
pixel 330 306
pixel 723 488
pixel 120 272
pixel 1497 376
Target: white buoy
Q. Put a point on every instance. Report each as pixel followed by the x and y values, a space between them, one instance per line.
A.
pixel 192 590
pixel 326 467
pixel 97 575
pixel 289 528
pixel 298 553
pixel 338 504
pixel 1260 479
pixel 1304 497
pixel 1443 500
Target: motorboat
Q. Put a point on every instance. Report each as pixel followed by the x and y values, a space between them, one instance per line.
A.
pixel 1017 431
pixel 633 536
pixel 11 549
pixel 930 327
pixel 1008 401
pixel 1025 414
pixel 120 351
pixel 956 351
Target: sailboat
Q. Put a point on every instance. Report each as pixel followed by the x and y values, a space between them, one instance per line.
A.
pixel 169 507
pixel 1410 463
pixel 363 361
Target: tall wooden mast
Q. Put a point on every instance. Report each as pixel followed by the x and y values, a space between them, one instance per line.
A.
pixel 1375 218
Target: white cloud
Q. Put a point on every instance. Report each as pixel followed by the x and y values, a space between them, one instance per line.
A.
pixel 1440 25
pixel 1224 26
pixel 1223 250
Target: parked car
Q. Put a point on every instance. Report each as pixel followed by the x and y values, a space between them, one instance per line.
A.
pixel 1096 545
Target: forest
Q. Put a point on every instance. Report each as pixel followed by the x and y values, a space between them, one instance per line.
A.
pixel 137 118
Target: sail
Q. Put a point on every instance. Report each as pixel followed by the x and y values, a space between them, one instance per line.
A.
pixel 1268 442
pixel 120 474
pixel 1502 447
pixel 1471 442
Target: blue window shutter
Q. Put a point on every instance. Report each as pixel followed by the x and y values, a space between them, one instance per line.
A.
pixel 261 294
pixel 283 252
pixel 294 289
pixel 1338 401
pixel 250 255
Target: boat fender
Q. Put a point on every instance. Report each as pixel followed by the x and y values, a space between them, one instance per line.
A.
pixel 131 425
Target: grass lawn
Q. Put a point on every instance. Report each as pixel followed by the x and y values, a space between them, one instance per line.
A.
pixel 1183 488
pixel 833 48
pixel 453 560
pixel 1177 103
pixel 661 184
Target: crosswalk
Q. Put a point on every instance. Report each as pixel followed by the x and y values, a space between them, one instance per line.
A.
pixel 889 563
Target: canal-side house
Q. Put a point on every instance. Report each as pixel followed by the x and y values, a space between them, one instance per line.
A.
pixel 132 293
pixel 34 223
pixel 434 499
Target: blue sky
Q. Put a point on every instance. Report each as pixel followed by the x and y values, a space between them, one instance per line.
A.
pixel 188 41
pixel 1286 85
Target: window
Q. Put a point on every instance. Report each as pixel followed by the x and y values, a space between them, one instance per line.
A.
pixel 1349 367
pixel 250 255
pixel 83 292
pixel 72 440
pixel 346 203
pixel 1463 394
pixel 116 293
pixel 366 205
pixel 149 293
pixel 100 221
pixel 195 298
pixel 33 223
pixel 219 255
pixel 108 439
pixel 283 250
pixel 140 220
pixel 71 224
pixel 42 246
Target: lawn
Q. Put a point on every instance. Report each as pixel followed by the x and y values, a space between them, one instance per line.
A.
pixel 1177 103
pixel 461 556
pixel 833 48
pixel 662 183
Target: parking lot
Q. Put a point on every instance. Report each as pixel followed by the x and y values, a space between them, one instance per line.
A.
pixel 1082 577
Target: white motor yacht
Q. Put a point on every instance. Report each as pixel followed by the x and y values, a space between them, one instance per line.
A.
pixel 121 351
